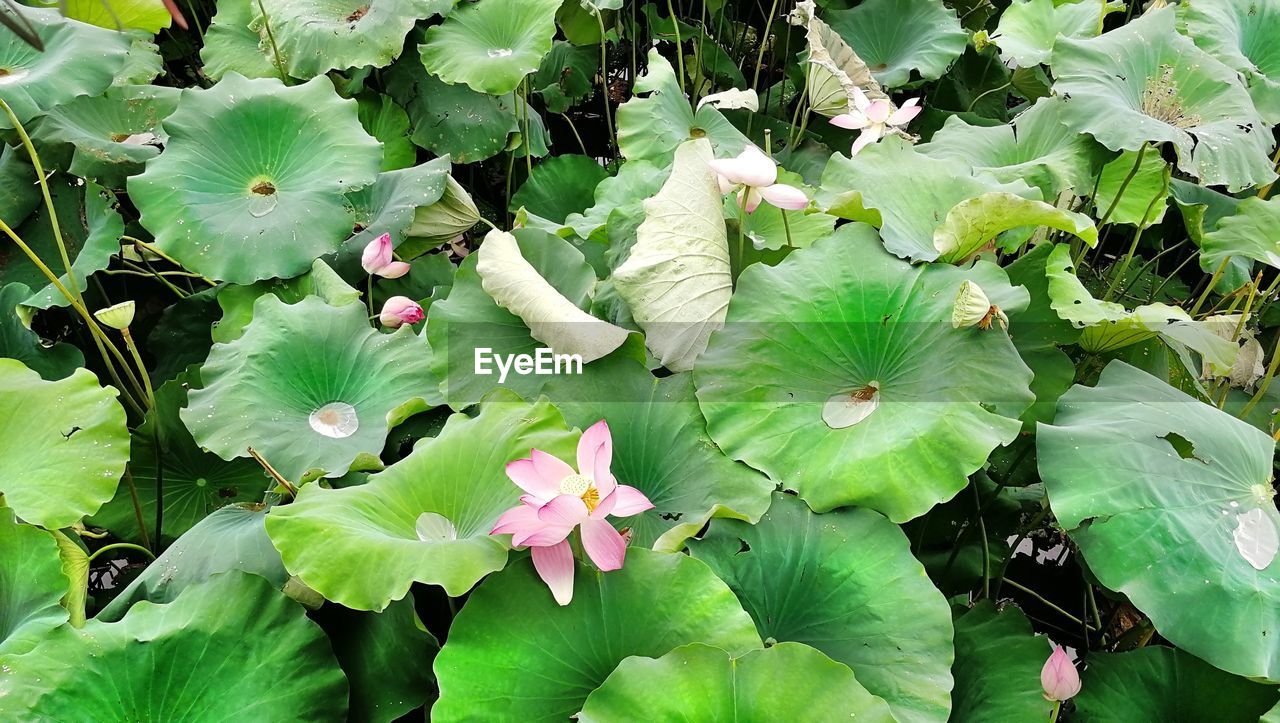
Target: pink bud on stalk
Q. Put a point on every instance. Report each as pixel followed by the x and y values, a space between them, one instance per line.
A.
pixel 1059 677
pixel 377 259
pixel 401 310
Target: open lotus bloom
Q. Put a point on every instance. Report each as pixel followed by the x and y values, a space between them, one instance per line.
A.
pixel 401 310
pixel 875 118
pixel 754 176
pixel 559 499
pixel 377 259
pixel 1059 677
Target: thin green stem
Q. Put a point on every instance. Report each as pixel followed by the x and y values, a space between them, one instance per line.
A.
pixel 675 27
pixel 604 81
pixel 1116 278
pixel 528 147
pixel 275 49
pixel 155 250
pixel 1213 281
pixel 1266 380
pixel 137 507
pixel 1057 704
pixel 572 127
pixel 1018 586
pixel 1124 185
pixel 122 546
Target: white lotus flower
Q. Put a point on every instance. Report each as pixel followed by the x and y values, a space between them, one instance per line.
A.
pixel 754 176
pixel 875 118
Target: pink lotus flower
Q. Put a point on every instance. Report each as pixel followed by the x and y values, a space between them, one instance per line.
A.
pixel 559 499
pixel 754 176
pixel 875 118
pixel 401 310
pixel 377 259
pixel 1059 677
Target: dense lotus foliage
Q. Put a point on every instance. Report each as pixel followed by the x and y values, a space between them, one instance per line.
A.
pixel 617 360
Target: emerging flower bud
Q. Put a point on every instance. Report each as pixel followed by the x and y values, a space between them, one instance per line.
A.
pixel 401 310
pixel 377 259
pixel 1059 677
pixel 117 317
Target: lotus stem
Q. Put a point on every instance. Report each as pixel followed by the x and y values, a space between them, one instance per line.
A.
pixel 604 83
pixel 271 471
pixel 137 507
pixel 275 50
pixel 572 127
pixel 1018 586
pixel 528 143
pixel 1116 278
pixel 122 546
pixel 1266 380
pixel 1124 185
pixel 1213 281
pixel 675 27
pixel 156 250
pixel 1275 161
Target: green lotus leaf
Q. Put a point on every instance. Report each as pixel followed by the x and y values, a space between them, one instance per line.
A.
pixel 314 37
pixel 31 585
pixel 1171 492
pixel 390 205
pixel 1029 29
pixel 788 681
pixel 650 128
pixel 147 15
pixel 677 278
pixel 1036 147
pixel 1158 683
pixel 161 662
pixel 142 64
pixel 448 119
pixel 896 37
pixel 1249 232
pixel 231 46
pixel 78 59
pixel 314 405
pixel 564 77
pixel 491 45
pixel 1202 210
pixel 553 319
pixel 832 69
pixel 514 653
pixel 1244 34
pixel 53 361
pixel 78 223
pixel 972 224
pixel 634 182
pixel 867 604
pixel 470 320
pixel 195 482
pixel 1146 196
pixel 237 302
pixel 560 186
pixel 387 657
pixel 19 193
pixel 1108 325
pixel 274 206
pixel 769 378
pixel 112 134
pixel 229 539
pixel 63 445
pixel 997 668
pixel 360 546
pixel 1144 82
pixel 869 185
pixel 94 232
pixel 661 448
pixel 768 231
pixel 383 119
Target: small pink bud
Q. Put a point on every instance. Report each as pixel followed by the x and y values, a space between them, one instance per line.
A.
pixel 1059 677
pixel 401 310
pixel 377 259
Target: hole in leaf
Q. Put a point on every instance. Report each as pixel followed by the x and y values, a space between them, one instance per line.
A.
pixel 67 435
pixel 743 546
pixel 1185 448
pixel 671 516
pixel 226 493
pixel 264 188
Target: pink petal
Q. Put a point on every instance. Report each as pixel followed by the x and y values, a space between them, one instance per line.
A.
pixel 603 544
pixel 555 566
pixel 752 201
pixel 1059 678
pixel 751 168
pixel 564 510
pixel 905 113
pixel 546 536
pixel 860 100
pixel 377 254
pixel 604 507
pixel 521 519
pixel 550 467
pixel 853 121
pixel 879 111
pixel 784 196
pixel 866 138
pixel 595 450
pixel 400 310
pixel 525 474
pixel 726 185
pixel 393 270
pixel 629 501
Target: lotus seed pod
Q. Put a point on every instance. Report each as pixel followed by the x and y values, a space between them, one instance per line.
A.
pixel 972 306
pixel 118 317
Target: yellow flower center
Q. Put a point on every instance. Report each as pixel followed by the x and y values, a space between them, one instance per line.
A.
pixel 583 488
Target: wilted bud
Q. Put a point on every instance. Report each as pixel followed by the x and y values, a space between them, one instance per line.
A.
pixel 117 317
pixel 1059 677
pixel 454 213
pixel 973 308
pixel 981 40
pixel 401 310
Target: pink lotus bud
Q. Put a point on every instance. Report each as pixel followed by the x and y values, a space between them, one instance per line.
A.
pixel 1058 677
pixel 377 259
pixel 401 310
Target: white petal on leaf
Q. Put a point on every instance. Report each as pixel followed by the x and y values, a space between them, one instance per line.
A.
pixel 552 319
pixel 1256 538
pixel 677 279
pixel 731 99
pixel 848 408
